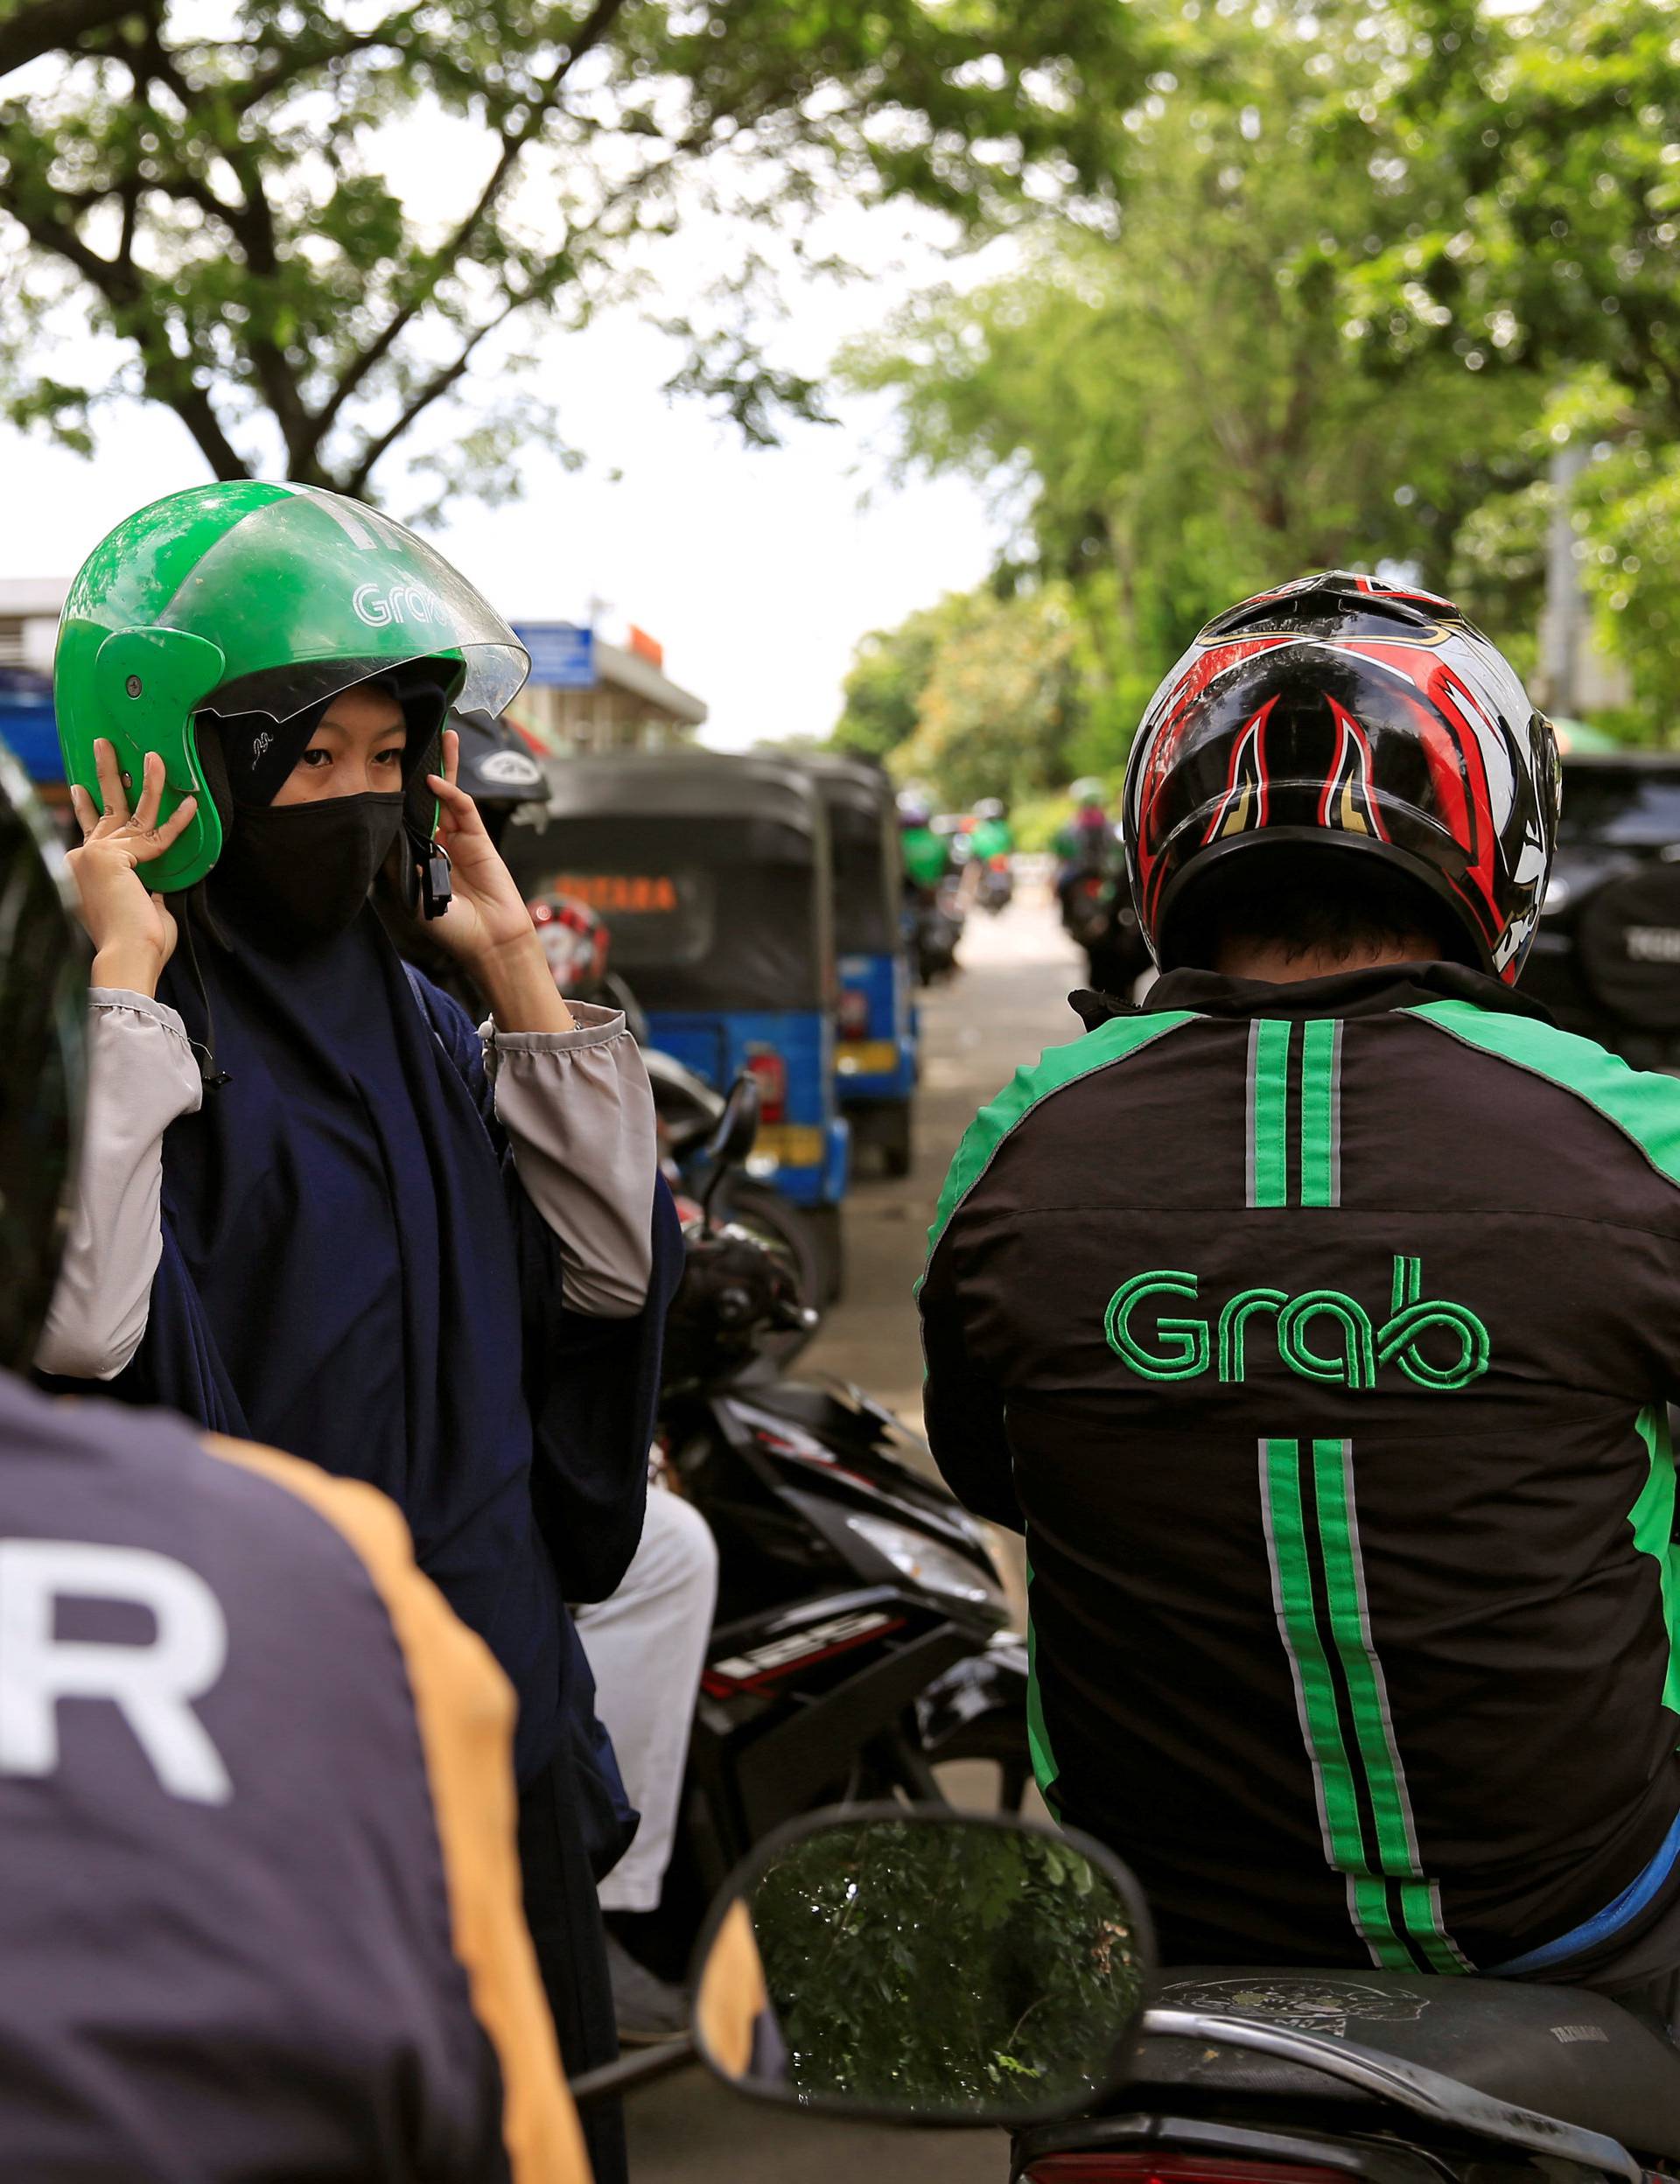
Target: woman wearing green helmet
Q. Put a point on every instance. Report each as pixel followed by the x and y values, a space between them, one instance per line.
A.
pixel 318 1208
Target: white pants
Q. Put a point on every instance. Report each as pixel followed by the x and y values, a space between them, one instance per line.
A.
pixel 646 1646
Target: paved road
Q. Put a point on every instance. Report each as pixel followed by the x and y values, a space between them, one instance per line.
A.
pixel 1008 1003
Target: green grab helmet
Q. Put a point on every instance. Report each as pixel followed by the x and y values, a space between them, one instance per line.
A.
pixel 249 596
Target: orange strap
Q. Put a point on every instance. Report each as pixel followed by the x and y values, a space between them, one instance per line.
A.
pixel 464 1708
pixel 732 1994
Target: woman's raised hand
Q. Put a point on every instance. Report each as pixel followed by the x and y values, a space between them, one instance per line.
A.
pixel 131 928
pixel 487 927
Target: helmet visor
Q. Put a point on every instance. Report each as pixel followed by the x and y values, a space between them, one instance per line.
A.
pixel 311 593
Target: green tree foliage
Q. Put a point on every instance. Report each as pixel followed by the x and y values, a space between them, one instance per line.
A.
pixel 889 673
pixel 1172 415
pixel 212 189
pixel 944 1970
pixel 1541 145
pixel 980 695
pixel 1625 512
pixel 1002 703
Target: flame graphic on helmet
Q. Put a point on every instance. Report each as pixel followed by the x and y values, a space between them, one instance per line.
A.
pixel 1348 804
pixel 1247 799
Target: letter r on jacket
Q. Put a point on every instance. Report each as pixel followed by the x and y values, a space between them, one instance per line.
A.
pixel 152 1685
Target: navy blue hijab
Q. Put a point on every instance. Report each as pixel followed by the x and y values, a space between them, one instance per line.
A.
pixel 352 1271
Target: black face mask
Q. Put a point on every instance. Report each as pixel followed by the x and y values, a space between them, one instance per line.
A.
pixel 296 875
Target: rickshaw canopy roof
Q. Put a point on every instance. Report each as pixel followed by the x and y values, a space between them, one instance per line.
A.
pixel 711 870
pixel 864 812
pixel 686 784
pixel 851 784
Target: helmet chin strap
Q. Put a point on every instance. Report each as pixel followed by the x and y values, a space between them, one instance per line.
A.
pixel 210 1074
pixel 430 891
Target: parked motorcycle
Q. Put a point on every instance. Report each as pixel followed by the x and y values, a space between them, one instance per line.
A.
pixel 1084 896
pixel 689 1112
pixel 937 934
pixel 920 1966
pixel 925 1967
pixel 1312 2077
pixel 861 1640
pixel 933 921
pixel 996 889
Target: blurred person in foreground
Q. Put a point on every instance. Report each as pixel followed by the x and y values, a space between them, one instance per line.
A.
pixel 262 1912
pixel 1317 1322
pixel 318 1205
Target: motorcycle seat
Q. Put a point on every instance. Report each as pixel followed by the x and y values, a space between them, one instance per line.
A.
pixel 1576 2057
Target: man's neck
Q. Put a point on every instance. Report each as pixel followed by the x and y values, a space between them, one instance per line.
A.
pixel 1280 965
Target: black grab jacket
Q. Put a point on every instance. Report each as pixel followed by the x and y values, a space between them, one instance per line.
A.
pixel 1318 1337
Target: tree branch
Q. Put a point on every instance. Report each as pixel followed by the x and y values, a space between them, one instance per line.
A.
pixel 254 225
pixel 588 34
pixel 429 391
pixel 169 378
pixel 301 59
pixel 251 224
pixel 193 407
pixel 50 26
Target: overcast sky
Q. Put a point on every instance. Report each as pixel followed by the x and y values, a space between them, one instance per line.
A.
pixel 756 570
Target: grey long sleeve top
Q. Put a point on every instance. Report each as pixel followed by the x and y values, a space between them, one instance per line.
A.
pixel 577 1107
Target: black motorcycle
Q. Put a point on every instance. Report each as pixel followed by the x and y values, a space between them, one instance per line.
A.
pixel 1318 2077
pixel 1114 943
pixel 932 1968
pixel 863 1637
pixel 933 927
pixel 996 887
pixel 688 1113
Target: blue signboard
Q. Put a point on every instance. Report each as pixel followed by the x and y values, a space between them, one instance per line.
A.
pixel 27 726
pixel 563 656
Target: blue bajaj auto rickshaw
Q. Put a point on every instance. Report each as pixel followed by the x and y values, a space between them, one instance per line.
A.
pixel 875 1055
pixel 712 872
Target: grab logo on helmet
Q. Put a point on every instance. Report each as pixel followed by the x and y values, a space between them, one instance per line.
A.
pixel 381 605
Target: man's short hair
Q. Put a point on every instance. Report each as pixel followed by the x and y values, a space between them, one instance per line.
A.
pixel 1311 901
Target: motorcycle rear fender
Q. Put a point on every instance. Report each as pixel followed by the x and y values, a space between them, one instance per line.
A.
pixel 1388 2162
pixel 781 1771
pixel 994 1681
pixel 852 1428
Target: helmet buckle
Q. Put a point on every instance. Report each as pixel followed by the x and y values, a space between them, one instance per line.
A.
pixel 431 873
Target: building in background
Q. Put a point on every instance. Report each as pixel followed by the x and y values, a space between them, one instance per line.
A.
pixel 29 629
pixel 587 695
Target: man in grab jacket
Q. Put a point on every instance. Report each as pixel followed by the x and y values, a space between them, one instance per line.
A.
pixel 1316 1322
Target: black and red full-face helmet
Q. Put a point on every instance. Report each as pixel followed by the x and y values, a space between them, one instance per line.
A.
pixel 1348 714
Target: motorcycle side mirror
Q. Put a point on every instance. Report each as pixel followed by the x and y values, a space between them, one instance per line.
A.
pixel 922 1966
pixel 733 1139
